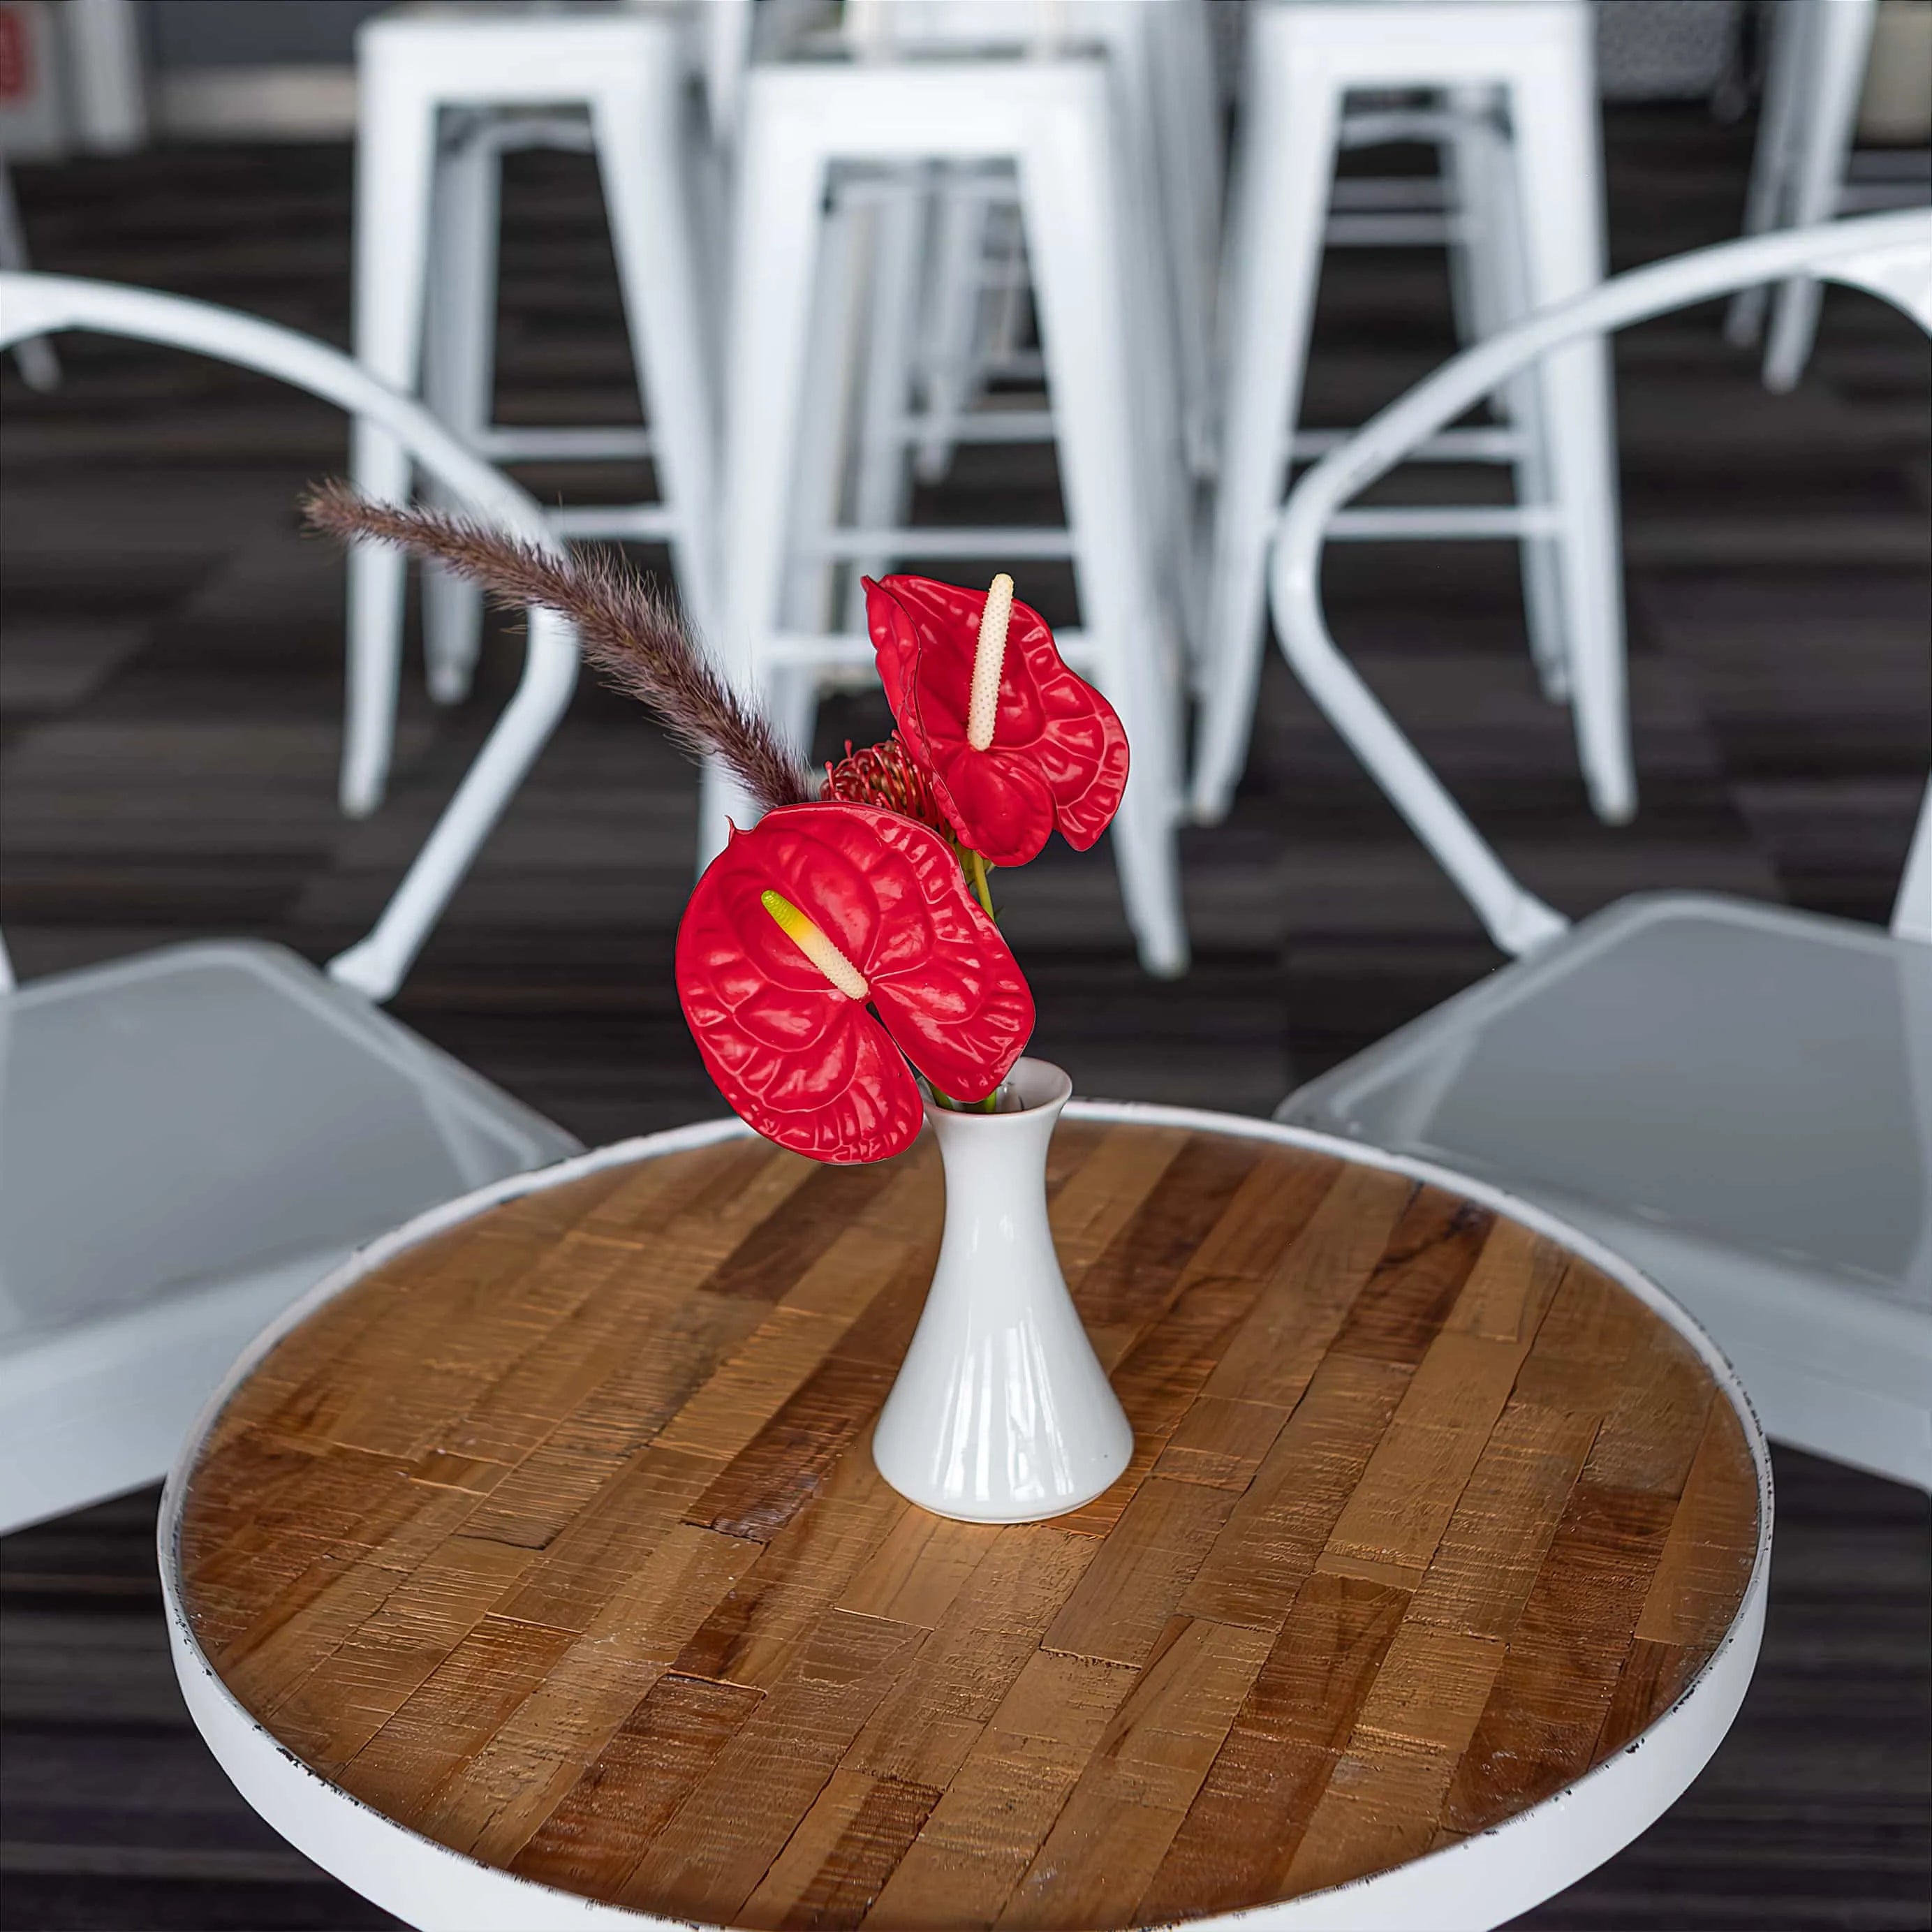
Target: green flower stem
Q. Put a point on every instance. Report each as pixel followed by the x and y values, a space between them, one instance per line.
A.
pixel 976 869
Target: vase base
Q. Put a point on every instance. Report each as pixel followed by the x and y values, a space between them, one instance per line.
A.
pixel 955 1510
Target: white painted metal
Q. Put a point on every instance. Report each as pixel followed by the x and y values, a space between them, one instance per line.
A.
pixel 436 88
pixel 1887 254
pixel 1001 1411
pixel 1052 120
pixel 1161 57
pixel 1521 135
pixel 1478 1883
pixel 39 368
pixel 1912 912
pixel 1800 174
pixel 1838 39
pixel 104 74
pixel 192 1134
pixel 1662 1027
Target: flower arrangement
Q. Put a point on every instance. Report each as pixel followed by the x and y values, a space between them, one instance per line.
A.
pixel 846 943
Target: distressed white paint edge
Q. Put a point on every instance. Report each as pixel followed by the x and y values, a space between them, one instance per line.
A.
pixel 1476 1884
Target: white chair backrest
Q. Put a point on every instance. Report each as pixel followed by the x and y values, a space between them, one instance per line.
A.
pixel 33 305
pixel 1891 255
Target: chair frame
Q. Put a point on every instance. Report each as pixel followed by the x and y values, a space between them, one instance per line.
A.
pixel 1805 170
pixel 38 366
pixel 1889 255
pixel 144 1365
pixel 1841 1375
pixel 34 304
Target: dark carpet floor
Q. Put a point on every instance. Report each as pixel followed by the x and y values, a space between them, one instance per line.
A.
pixel 170 687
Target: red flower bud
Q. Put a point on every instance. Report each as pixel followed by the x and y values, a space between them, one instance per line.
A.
pixel 888 774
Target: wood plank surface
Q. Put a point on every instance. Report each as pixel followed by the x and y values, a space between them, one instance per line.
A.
pixel 558 1540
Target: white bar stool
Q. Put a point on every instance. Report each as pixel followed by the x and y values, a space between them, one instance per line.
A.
pixel 1162 56
pixel 1804 171
pixel 427 175
pixel 786 443
pixel 1521 128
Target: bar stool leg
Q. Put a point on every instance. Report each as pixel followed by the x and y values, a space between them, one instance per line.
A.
pixel 959 246
pixel 1483 249
pixel 1506 301
pixel 1081 248
pixel 459 378
pixel 1556 142
pixel 1459 162
pixel 883 494
pixel 821 453
pixel 637 124
pixel 1779 135
pixel 1840 44
pixel 779 315
pixel 1274 253
pixel 1187 126
pixel 394 169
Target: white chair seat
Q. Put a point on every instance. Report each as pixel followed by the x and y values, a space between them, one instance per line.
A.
pixel 190 1138
pixel 1737 1097
pixel 200 1132
pixel 1635 1074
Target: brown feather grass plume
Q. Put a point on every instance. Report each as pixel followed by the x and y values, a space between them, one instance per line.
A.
pixel 628 630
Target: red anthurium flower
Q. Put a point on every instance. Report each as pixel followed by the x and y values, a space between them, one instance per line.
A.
pixel 1054 753
pixel 798 932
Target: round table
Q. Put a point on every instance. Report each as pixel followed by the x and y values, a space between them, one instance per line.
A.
pixel 535 1571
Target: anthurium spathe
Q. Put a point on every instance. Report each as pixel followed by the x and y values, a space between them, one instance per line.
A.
pixel 837 940
pixel 824 948
pixel 1049 752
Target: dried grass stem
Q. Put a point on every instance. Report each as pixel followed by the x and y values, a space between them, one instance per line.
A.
pixel 630 632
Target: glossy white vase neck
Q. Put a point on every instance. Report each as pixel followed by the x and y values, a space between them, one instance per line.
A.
pixel 1002 1412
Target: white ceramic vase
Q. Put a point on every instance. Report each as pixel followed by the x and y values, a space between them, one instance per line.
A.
pixel 1002 1412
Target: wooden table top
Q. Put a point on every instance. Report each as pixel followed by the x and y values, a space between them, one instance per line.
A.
pixel 557 1539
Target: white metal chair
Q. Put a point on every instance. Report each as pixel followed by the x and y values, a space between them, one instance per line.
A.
pixel 190 1137
pixel 443 95
pixel 1805 170
pixel 39 367
pixel 785 521
pixel 1736 1096
pixel 1517 123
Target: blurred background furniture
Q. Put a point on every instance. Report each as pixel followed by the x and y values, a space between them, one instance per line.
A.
pixel 194 1136
pixel 1519 123
pixel 443 95
pixel 1806 170
pixel 39 367
pixel 793 533
pixel 170 714
pixel 1738 1096
pixel 1160 56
